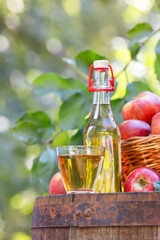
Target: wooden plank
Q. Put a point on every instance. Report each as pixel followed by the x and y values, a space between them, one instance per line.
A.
pixel 97 233
pixel 86 210
pixel 50 234
pixel 98 197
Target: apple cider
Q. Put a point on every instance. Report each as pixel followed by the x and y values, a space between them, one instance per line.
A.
pixel 102 133
pixel 80 172
pixel 102 130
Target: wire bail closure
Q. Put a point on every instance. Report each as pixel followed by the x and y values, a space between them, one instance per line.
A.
pixel 93 89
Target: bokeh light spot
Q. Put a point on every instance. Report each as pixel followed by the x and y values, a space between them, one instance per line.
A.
pixel 21 236
pixel 53 45
pixel 23 202
pixel 29 162
pixel 119 43
pixel 72 8
pixel 4 43
pixel 15 6
pixel 12 21
pixel 142 5
pixel 137 69
pixel 4 123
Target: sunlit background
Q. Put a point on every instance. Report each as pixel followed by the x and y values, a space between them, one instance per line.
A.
pixel 35 37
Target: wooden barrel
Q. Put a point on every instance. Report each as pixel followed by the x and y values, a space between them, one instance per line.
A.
pixel 113 216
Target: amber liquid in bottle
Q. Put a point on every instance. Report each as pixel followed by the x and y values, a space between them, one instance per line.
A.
pixel 102 130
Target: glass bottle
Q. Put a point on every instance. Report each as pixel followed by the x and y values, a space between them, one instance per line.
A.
pixel 102 130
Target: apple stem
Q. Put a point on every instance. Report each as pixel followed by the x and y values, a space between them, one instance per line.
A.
pixel 141 179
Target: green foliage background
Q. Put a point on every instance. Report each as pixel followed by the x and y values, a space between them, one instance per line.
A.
pixel 46 48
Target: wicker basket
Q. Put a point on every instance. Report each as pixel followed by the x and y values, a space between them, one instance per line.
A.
pixel 140 152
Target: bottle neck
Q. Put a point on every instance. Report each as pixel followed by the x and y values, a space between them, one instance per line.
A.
pixel 101 82
pixel 101 98
pixel 101 106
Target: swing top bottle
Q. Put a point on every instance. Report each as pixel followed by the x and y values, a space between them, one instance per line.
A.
pixel 102 130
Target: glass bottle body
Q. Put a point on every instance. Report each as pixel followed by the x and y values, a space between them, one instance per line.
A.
pixel 102 130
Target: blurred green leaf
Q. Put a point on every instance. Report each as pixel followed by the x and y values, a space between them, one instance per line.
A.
pixel 157 61
pixel 156 185
pixel 136 34
pixel 35 164
pixel 85 59
pixel 44 167
pixel 26 132
pixel 65 94
pixel 156 6
pixel 139 31
pixel 134 47
pixel 61 140
pixel 33 128
pixel 73 111
pixel 47 166
pixel 39 118
pixel 52 82
pixel 77 139
pixel 134 88
pixel 116 106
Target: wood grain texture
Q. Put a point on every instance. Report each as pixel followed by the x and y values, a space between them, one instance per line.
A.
pixel 97 233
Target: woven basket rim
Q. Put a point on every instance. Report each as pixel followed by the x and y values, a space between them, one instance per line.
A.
pixel 145 138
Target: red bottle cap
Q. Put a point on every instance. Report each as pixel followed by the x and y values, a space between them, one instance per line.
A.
pixel 100 65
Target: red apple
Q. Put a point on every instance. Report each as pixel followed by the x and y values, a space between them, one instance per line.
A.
pixel 56 185
pixel 141 180
pixel 143 107
pixel 132 128
pixel 155 124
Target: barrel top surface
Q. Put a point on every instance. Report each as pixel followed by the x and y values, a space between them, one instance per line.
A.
pixel 99 209
pixel 98 197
